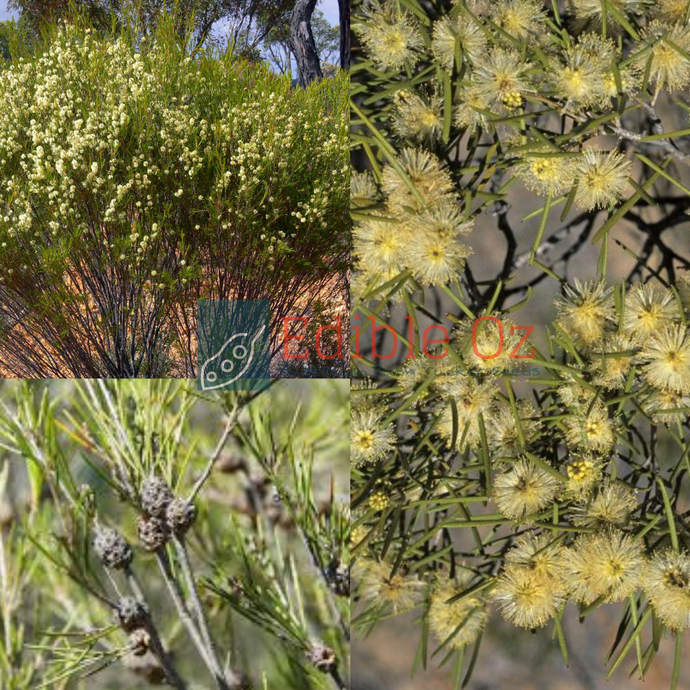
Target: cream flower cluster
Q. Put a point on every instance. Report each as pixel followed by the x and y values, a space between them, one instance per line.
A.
pixel 419 229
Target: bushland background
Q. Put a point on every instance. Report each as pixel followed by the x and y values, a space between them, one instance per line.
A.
pixel 311 285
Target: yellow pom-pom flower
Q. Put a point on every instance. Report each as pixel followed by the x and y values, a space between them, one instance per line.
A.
pixel 457 623
pixel 546 172
pixel 607 565
pixel 648 310
pixel 461 32
pixel 610 506
pixel 526 597
pixel 667 46
pixel 592 13
pixel 668 359
pixel 524 490
pixel 370 441
pixel 502 74
pixel 390 35
pixel 428 176
pixel 522 19
pixel 379 585
pixel 666 582
pixel 602 178
pixel 471 399
pixel 418 119
pixel 585 311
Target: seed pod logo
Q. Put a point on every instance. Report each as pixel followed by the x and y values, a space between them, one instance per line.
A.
pixel 233 359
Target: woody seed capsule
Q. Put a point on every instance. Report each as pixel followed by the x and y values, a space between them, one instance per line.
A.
pixel 338 575
pixel 113 551
pixel 139 641
pixel 153 533
pixel 131 614
pixel 180 516
pixel 155 496
pixel 322 657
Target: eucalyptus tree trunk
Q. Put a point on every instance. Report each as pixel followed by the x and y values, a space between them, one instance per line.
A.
pixel 344 8
pixel 303 45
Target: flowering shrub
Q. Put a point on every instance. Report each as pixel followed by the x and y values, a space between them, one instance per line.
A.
pixel 477 489
pixel 136 179
pixel 149 537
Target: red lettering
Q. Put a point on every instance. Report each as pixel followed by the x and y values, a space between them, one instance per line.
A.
pixel 318 341
pixel 426 341
pixel 356 339
pixel 500 337
pixel 410 336
pixel 529 330
pixel 287 337
pixel 375 328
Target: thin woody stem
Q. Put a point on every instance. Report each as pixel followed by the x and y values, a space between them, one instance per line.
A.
pixel 186 618
pixel 163 658
pixel 229 426
pixel 196 605
pixel 157 647
pixel 330 595
pixel 338 680
pixel 663 144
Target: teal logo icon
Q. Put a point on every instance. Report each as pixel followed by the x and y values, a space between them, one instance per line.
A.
pixel 233 344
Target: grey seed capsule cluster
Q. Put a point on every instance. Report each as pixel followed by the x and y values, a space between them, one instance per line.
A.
pixel 156 495
pixel 112 549
pixel 131 614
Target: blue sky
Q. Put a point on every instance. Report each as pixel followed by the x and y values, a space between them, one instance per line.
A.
pixel 328 7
